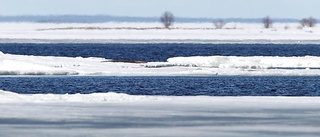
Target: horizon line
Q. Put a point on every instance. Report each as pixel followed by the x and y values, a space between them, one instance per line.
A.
pixel 124 16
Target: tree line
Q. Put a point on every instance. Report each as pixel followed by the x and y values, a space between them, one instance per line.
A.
pixel 167 19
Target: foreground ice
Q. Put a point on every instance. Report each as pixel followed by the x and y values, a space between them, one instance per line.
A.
pixel 212 65
pixel 112 115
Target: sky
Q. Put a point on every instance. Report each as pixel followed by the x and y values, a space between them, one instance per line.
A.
pixel 154 8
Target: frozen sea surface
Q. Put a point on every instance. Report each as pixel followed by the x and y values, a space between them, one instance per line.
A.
pixel 122 32
pixel 115 115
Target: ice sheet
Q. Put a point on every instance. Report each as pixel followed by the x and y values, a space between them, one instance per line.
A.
pixel 153 32
pixel 177 66
pixel 112 114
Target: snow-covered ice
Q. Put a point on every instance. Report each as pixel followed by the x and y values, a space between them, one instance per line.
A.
pixel 152 32
pixel 176 66
pixel 112 114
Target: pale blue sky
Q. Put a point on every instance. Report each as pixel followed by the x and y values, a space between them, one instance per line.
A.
pixel 153 8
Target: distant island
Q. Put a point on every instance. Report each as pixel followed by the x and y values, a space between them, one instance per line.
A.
pixel 107 18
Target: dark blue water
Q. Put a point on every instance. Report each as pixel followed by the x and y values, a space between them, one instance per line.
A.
pixel 181 86
pixel 159 52
pixel 177 86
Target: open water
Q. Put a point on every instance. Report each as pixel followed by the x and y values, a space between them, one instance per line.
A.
pixel 170 86
pixel 160 52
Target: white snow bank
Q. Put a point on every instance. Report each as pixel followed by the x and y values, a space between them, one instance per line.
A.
pixel 111 97
pixel 152 32
pixel 255 62
pixel 40 65
pixel 178 66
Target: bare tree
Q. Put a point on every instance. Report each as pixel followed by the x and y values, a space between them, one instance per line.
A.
pixel 167 19
pixel 267 22
pixel 312 22
pixel 219 24
pixel 308 22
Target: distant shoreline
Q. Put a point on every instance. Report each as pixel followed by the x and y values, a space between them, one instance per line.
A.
pixel 107 18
